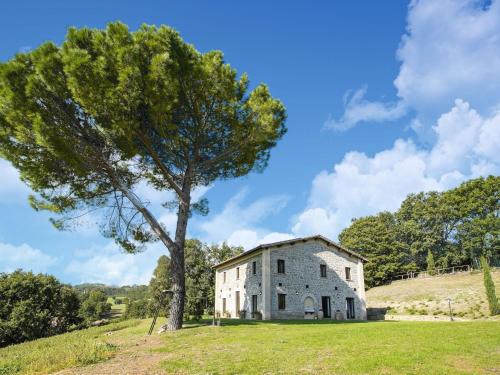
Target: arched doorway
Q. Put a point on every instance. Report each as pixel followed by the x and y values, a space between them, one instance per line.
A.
pixel 309 309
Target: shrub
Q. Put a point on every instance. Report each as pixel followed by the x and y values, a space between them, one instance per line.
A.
pixel 95 306
pixel 140 309
pixel 490 288
pixel 431 266
pixel 411 310
pixel 35 306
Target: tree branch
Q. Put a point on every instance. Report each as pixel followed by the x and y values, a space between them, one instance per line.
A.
pixel 165 171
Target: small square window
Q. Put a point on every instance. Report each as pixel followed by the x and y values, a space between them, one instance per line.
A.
pixel 281 266
pixel 281 301
pixel 280 284
pixel 322 270
pixel 307 286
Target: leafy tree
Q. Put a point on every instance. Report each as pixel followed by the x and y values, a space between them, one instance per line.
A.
pixel 478 205
pixel 453 227
pixel 199 259
pixel 431 266
pixel 489 286
pixel 160 282
pixel 95 306
pixel 198 279
pixel 34 306
pixel 427 224
pixel 377 238
pixel 87 121
pixel 219 253
pixel 140 309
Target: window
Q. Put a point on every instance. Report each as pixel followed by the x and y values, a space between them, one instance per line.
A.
pixel 322 270
pixel 223 305
pixel 281 301
pixel 237 273
pixel 348 273
pixel 224 276
pixel 281 266
pixel 254 268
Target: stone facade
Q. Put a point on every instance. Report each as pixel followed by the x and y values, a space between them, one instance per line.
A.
pixel 313 284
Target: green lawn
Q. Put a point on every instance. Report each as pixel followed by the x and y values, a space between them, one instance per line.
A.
pixel 336 348
pixel 117 310
pixel 240 347
pixel 74 349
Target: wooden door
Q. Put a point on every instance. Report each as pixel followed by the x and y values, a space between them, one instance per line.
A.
pixel 350 308
pixel 325 304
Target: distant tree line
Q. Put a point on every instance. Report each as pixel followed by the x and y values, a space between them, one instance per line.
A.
pixel 131 292
pixel 430 230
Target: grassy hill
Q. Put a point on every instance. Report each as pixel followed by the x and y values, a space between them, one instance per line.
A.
pixel 272 347
pixel 428 296
pixel 288 347
pixel 117 309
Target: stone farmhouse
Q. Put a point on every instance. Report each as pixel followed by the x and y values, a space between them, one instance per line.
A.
pixel 303 278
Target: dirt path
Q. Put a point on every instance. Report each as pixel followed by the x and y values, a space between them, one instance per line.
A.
pixel 136 358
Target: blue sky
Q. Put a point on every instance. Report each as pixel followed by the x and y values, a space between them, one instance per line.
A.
pixel 383 99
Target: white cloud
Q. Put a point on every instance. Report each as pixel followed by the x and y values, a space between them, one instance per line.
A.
pixel 357 109
pixel 361 185
pixel 12 189
pixel 251 238
pixel 451 49
pixel 237 223
pixel 25 257
pixel 110 265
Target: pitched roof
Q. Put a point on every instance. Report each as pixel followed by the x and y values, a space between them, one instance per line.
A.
pixel 291 242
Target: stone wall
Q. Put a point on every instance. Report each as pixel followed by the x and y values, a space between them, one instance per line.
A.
pixel 302 279
pixel 247 284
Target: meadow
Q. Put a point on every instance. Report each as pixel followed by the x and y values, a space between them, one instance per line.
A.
pixel 272 347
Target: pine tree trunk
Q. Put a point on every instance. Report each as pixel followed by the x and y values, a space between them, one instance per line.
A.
pixel 177 261
pixel 176 250
pixel 176 312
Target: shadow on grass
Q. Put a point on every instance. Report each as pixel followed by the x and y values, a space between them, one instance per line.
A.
pixel 245 322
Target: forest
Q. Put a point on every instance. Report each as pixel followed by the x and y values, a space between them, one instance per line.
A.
pixel 430 229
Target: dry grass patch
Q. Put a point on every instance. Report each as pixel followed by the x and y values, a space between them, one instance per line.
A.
pixel 428 296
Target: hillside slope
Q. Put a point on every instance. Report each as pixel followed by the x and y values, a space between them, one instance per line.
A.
pixel 429 296
pixel 263 347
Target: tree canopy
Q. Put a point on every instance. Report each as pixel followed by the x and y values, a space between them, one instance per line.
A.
pixel 450 228
pixel 87 121
pixel 34 306
pixel 94 306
